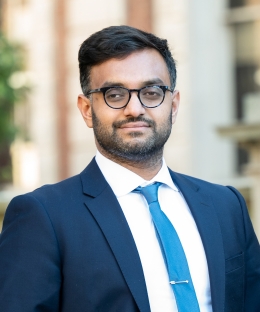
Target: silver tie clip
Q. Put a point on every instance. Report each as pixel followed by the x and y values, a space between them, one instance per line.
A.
pixel 179 282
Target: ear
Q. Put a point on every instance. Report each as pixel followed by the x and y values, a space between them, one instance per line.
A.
pixel 175 105
pixel 84 105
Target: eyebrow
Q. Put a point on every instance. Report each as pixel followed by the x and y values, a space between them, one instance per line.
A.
pixel 112 84
pixel 150 82
pixel 154 81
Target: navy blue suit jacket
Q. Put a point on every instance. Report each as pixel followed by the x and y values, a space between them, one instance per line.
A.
pixel 67 247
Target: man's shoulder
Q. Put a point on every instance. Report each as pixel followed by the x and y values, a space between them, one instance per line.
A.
pixel 57 192
pixel 196 182
pixel 65 188
pixel 213 189
pixel 67 191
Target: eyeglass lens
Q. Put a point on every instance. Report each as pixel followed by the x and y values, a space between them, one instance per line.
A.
pixel 118 97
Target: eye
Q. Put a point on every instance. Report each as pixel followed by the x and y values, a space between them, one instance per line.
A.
pixel 152 92
pixel 115 94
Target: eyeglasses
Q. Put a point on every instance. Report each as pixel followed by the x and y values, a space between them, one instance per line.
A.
pixel 119 97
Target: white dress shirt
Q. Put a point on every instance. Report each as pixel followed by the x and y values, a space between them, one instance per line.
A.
pixel 136 210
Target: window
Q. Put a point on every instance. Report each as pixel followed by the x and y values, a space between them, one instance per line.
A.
pixel 246 30
pixel 247 71
pixel 239 3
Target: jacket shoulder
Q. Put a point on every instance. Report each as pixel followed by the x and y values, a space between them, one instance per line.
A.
pixel 217 192
pixel 195 182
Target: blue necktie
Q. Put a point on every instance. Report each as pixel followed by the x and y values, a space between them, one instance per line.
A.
pixel 173 252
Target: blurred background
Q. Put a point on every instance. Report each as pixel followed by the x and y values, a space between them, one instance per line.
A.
pixel 216 44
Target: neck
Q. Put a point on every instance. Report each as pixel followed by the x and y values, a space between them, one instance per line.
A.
pixel 146 169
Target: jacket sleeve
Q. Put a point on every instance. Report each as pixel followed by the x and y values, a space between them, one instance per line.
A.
pixel 252 261
pixel 30 275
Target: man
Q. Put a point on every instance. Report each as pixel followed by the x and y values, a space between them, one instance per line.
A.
pixel 102 240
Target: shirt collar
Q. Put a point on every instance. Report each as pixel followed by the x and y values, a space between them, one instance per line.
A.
pixel 123 181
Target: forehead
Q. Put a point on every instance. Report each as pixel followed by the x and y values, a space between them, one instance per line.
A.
pixel 131 71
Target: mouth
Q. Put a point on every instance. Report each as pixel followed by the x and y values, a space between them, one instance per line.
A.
pixel 135 126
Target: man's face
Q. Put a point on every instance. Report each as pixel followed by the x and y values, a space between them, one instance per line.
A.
pixel 133 133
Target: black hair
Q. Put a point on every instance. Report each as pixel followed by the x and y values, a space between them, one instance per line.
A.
pixel 119 42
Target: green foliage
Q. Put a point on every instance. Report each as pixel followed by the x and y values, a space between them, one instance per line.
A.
pixel 11 63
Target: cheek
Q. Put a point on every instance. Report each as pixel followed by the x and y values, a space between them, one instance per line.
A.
pixel 163 117
pixel 105 116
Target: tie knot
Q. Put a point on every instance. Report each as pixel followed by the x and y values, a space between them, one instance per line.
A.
pixel 150 192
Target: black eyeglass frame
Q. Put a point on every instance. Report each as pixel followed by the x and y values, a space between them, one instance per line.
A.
pixel 104 90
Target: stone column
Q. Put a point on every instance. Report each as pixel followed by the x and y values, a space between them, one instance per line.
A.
pixel 61 89
pixel 139 14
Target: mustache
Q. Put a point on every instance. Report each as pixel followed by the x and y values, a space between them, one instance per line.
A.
pixel 118 124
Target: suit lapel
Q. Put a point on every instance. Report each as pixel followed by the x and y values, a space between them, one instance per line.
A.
pixel 104 207
pixel 206 219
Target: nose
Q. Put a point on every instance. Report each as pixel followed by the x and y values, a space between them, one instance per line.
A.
pixel 134 107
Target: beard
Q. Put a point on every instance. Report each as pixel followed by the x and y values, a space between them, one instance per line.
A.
pixel 135 151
